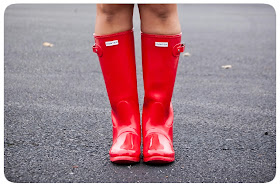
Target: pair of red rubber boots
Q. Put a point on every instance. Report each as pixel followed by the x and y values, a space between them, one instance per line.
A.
pixel 160 55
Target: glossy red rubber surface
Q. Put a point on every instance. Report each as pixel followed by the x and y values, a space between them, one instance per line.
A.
pixel 117 61
pixel 160 56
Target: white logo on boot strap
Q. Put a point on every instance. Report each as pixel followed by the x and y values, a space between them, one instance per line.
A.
pixel 161 44
pixel 111 43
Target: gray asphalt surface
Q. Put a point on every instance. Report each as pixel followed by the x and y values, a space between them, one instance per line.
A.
pixel 57 114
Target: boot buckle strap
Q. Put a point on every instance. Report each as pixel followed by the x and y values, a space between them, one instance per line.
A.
pixel 97 49
pixel 178 48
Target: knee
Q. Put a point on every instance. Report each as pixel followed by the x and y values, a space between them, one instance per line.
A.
pixel 107 11
pixel 111 12
pixel 162 11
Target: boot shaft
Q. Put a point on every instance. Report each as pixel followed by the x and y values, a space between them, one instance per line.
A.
pixel 117 60
pixel 160 56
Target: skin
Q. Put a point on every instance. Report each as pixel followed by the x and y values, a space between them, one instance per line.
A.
pixel 159 19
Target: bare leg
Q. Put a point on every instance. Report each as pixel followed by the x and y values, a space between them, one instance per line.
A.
pixel 161 47
pixel 159 19
pixel 113 18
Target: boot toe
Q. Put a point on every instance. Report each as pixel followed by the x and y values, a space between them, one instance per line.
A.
pixel 127 144
pixel 158 146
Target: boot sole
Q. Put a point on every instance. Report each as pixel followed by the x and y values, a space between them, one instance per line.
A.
pixel 158 159
pixel 124 159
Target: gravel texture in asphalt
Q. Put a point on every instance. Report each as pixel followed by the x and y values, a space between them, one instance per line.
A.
pixel 57 113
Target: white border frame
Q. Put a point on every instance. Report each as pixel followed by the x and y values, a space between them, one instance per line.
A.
pixel 5 3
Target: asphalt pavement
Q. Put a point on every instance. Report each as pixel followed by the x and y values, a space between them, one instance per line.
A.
pixel 57 113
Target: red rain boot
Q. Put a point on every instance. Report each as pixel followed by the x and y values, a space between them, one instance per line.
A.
pixel 117 59
pixel 160 56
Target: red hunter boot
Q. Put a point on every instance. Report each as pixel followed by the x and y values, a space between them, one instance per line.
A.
pixel 117 59
pixel 160 56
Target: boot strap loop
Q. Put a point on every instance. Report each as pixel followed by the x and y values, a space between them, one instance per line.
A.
pixel 97 49
pixel 178 48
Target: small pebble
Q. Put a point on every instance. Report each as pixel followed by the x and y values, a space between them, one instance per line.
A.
pixel 227 66
pixel 186 54
pixel 47 44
